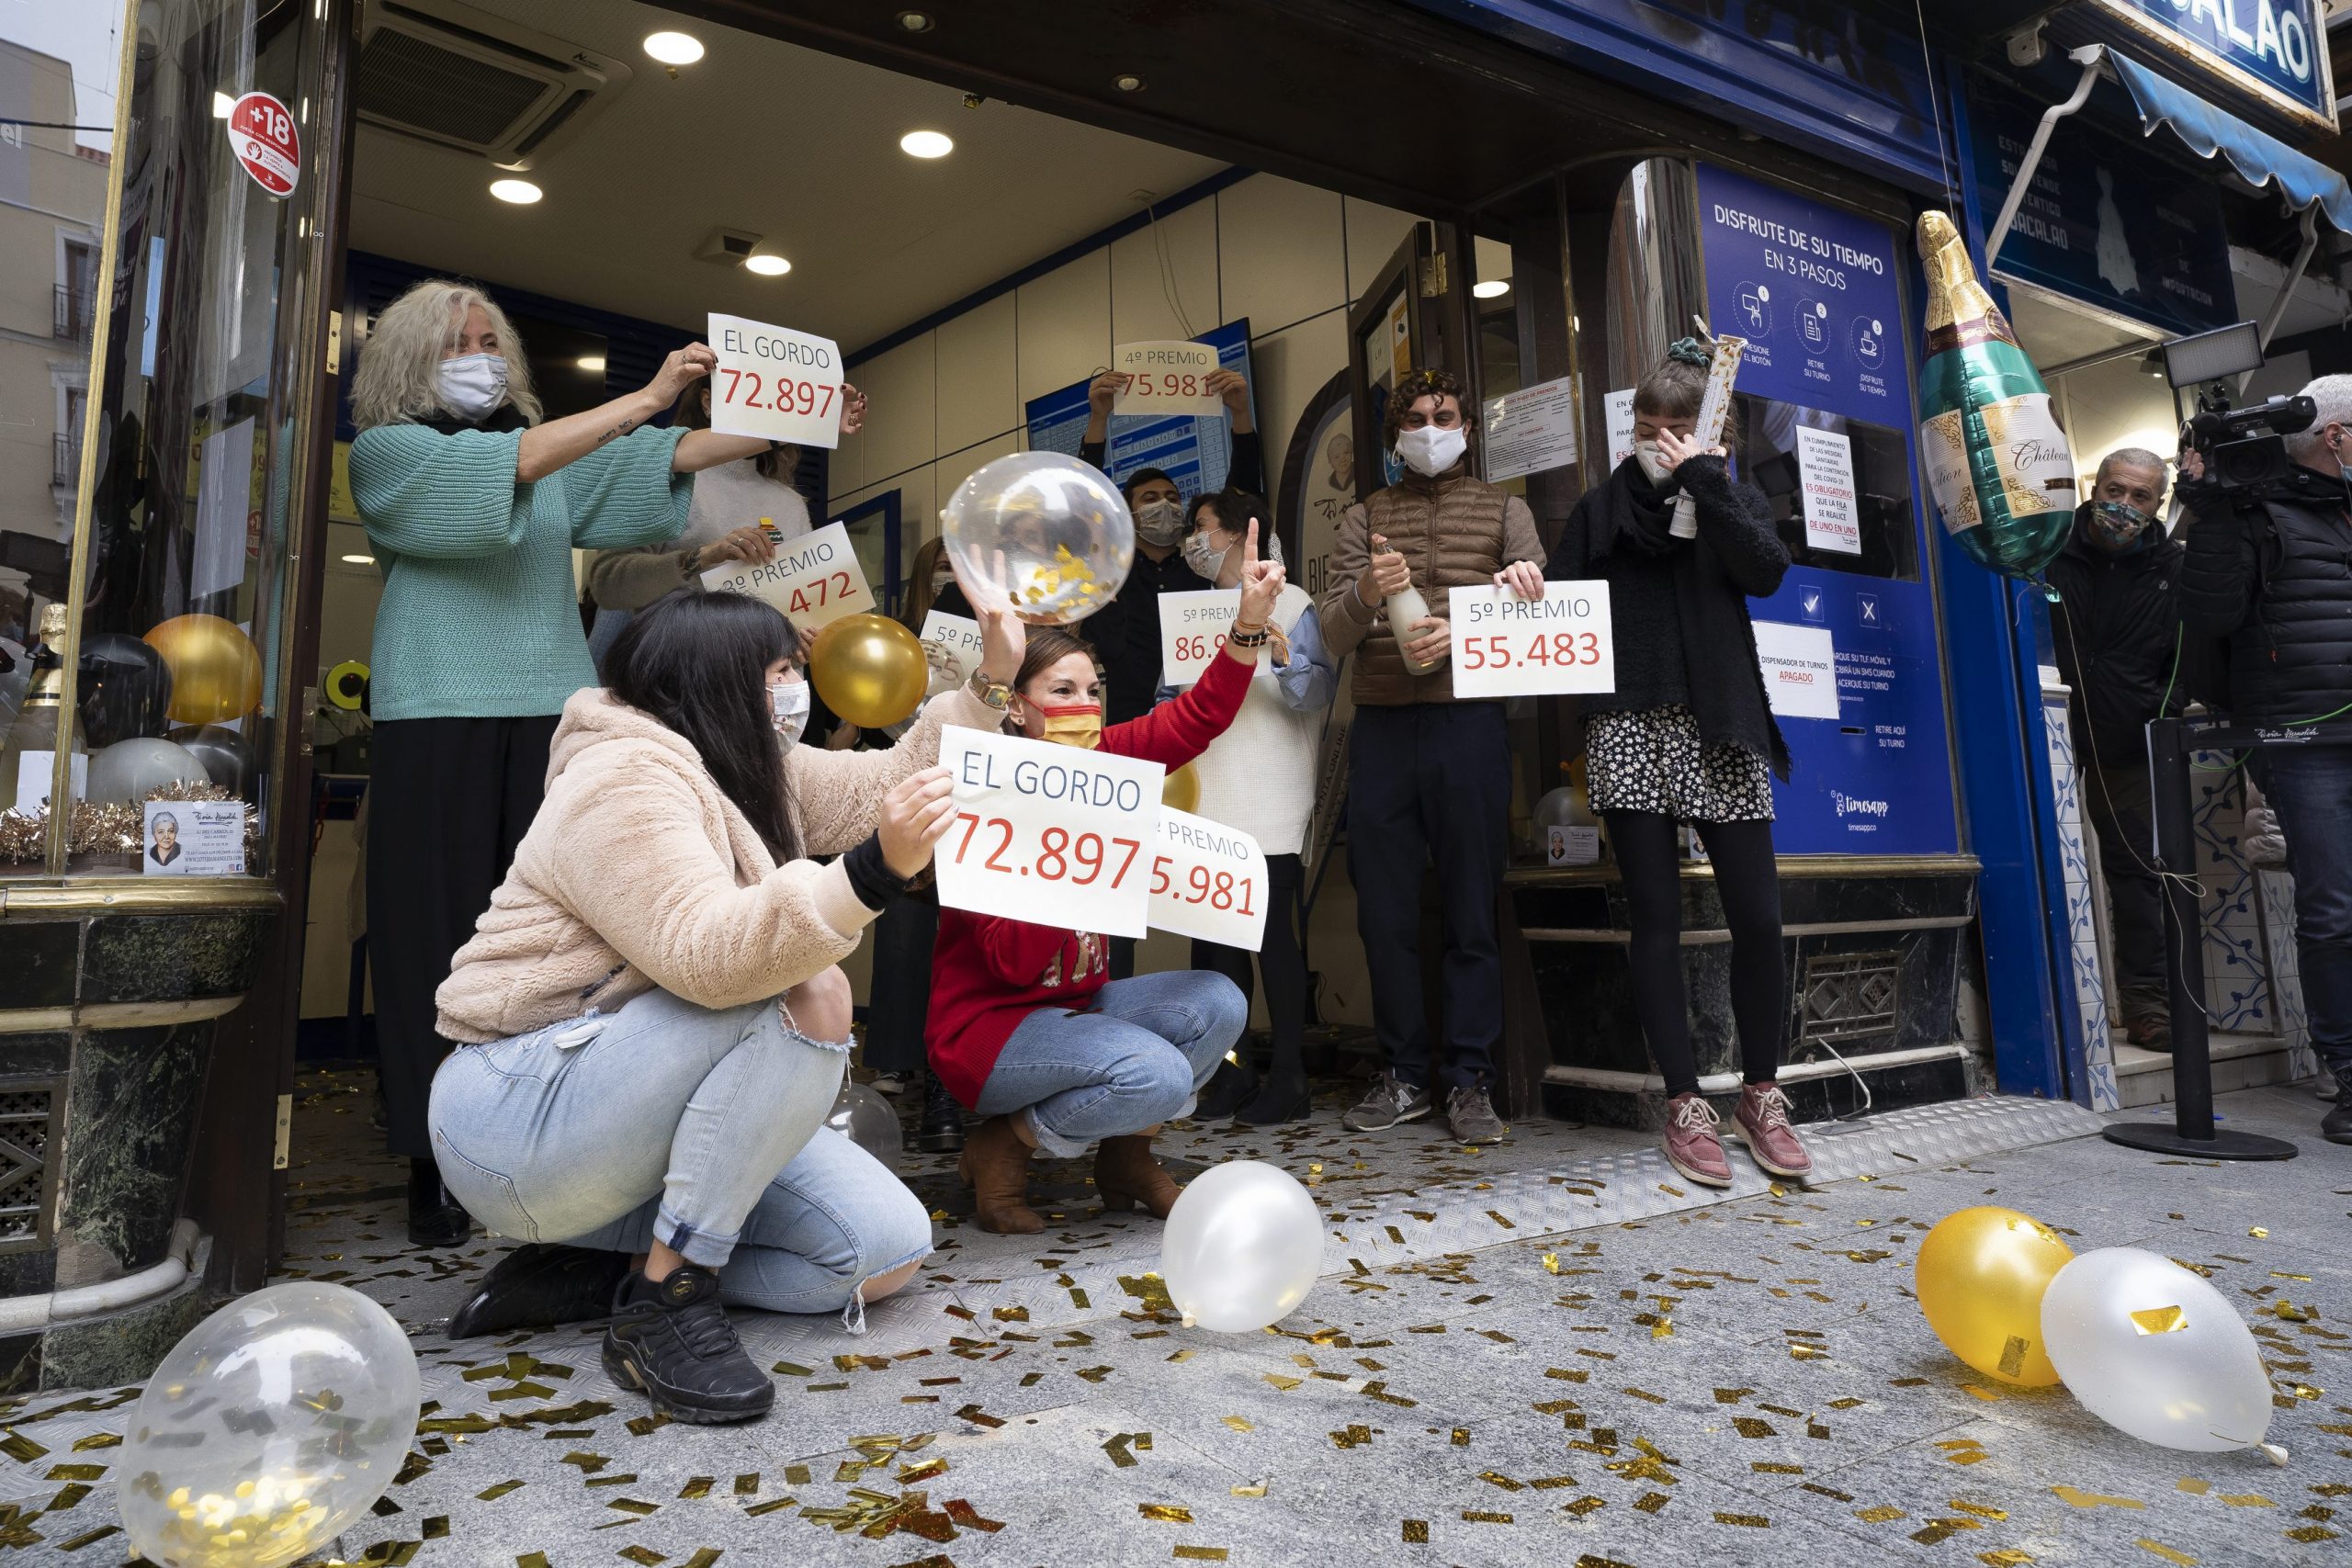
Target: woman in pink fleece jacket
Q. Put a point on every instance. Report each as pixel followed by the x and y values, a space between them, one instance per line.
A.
pixel 655 1027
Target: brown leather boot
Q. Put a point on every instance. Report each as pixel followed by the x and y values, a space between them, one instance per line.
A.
pixel 996 1168
pixel 1126 1175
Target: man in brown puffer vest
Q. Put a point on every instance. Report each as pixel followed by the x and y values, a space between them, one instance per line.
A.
pixel 1427 775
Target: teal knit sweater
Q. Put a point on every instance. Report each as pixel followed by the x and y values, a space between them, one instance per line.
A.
pixel 479 617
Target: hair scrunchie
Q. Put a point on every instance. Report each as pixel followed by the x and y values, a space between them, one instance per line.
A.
pixel 1689 351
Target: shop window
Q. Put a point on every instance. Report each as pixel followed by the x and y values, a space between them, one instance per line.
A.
pixel 1882 487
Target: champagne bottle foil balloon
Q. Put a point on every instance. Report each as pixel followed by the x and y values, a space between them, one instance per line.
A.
pixel 1043 533
pixel 1998 463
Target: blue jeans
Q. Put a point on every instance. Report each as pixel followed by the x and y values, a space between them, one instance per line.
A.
pixel 698 1128
pixel 2311 789
pixel 1132 1060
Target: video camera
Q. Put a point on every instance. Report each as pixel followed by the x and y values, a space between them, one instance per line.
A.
pixel 2244 449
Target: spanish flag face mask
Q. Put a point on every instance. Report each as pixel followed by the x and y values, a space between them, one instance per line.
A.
pixel 1074 724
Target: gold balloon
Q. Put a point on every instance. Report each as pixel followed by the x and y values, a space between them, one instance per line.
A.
pixel 870 670
pixel 1980 1277
pixel 1181 790
pixel 216 669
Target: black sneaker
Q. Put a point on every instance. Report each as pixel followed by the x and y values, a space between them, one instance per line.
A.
pixel 1386 1103
pixel 941 1132
pixel 672 1341
pixel 539 1285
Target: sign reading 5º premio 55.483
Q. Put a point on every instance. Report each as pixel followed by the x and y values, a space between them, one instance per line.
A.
pixel 2275 50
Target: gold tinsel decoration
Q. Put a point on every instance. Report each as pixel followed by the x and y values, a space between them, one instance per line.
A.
pixel 116 828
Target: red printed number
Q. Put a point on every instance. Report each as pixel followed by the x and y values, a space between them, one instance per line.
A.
pixel 1199 646
pixel 1564 648
pixel 1080 861
pixel 745 389
pixel 834 585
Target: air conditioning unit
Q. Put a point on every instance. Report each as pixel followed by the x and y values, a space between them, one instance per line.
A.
pixel 457 77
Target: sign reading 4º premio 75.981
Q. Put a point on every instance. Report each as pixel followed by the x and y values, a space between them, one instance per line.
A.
pixel 2273 51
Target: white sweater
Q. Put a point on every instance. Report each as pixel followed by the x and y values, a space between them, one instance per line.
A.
pixel 1258 775
pixel 733 496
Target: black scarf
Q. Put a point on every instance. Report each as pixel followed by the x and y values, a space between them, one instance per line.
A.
pixel 1632 517
pixel 503 418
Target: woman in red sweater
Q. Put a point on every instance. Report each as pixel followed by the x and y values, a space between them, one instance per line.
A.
pixel 1024 1027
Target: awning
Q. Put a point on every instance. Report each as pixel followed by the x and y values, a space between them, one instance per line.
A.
pixel 2257 158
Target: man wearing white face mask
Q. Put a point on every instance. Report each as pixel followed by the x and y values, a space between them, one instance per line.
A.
pixel 1429 776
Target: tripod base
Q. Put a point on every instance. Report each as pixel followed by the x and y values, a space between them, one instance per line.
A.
pixel 2164 1138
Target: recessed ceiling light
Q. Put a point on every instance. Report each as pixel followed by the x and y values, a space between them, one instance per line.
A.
pixel 674 49
pixel 522 193
pixel 594 362
pixel 926 144
pixel 359 560
pixel 915 21
pixel 224 106
pixel 1493 288
pixel 767 265
pixel 1127 84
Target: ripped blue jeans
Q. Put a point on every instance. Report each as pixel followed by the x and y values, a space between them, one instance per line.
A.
pixel 701 1128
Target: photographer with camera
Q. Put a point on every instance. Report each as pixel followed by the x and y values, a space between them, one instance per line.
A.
pixel 2270 568
pixel 2119 639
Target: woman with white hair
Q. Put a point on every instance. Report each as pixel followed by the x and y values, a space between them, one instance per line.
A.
pixel 474 504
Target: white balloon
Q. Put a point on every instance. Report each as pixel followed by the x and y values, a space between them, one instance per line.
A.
pixel 865 1119
pixel 1042 533
pixel 1242 1247
pixel 276 1422
pixel 127 771
pixel 2153 1350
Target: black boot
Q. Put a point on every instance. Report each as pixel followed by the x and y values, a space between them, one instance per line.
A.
pixel 540 1286
pixel 435 1218
pixel 941 1132
pixel 1228 1089
pixel 1282 1096
pixel 673 1340
pixel 2336 1126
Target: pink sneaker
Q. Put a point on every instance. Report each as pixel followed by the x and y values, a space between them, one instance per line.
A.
pixel 1691 1146
pixel 1762 1123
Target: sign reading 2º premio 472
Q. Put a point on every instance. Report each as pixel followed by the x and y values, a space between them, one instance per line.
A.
pixel 2275 50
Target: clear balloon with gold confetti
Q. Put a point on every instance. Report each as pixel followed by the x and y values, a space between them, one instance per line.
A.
pixel 1042 533
pixel 276 1423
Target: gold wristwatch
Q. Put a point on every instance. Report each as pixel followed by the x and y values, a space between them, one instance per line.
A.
pixel 991 690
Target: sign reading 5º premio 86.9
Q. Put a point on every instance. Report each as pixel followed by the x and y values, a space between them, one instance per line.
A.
pixel 1507 646
pixel 1048 834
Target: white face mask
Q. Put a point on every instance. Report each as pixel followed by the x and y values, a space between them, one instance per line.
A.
pixel 1156 522
pixel 1432 449
pixel 473 384
pixel 941 579
pixel 1655 467
pixel 1202 555
pixel 789 701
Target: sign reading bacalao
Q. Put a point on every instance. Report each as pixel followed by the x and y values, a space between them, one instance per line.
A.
pixel 2275 49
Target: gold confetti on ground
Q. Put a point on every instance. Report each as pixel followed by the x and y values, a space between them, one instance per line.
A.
pixel 2082 1499
pixel 1752 1521
pixel 1200 1553
pixel 1168 1513
pixel 2170 1554
pixel 1416 1533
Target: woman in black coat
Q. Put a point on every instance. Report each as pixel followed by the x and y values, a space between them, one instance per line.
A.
pixel 1688 735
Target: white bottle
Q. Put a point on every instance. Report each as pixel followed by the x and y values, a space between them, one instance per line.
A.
pixel 1403 608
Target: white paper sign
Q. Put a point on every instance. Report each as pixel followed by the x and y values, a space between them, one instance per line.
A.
pixel 1621 427
pixel 1800 669
pixel 1507 646
pixel 952 644
pixel 1170 378
pixel 1572 846
pixel 1825 472
pixel 774 382
pixel 1208 881
pixel 1191 631
pixel 1048 834
pixel 35 770
pixel 193 837
pixel 224 493
pixel 814 579
pixel 1529 430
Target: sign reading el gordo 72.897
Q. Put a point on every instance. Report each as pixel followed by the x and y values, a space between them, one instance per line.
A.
pixel 1051 835
pixel 775 383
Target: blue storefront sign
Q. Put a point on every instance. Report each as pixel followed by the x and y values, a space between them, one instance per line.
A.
pixel 2272 51
pixel 2107 223
pixel 1815 291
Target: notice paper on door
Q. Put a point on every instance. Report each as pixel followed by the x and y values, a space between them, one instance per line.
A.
pixel 1621 427
pixel 1825 472
pixel 1800 666
pixel 1168 376
pixel 814 579
pixel 1530 430
pixel 775 383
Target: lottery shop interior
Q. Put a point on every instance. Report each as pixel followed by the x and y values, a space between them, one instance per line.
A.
pixel 1317 185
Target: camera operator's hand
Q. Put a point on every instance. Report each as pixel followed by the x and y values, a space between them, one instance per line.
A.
pixel 2192 464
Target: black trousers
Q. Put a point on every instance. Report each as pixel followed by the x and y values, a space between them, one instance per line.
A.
pixel 1432 781
pixel 2121 812
pixel 1747 878
pixel 899 1001
pixel 448 801
pixel 1282 963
